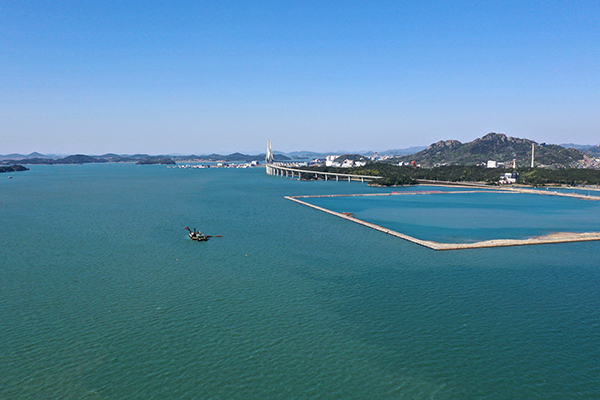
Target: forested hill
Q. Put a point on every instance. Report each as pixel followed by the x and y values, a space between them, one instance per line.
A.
pixel 496 147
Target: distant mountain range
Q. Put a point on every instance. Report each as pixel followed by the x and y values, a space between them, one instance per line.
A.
pixel 592 150
pixel 496 147
pixel 585 148
pixel 493 146
pixel 575 146
pixel 37 158
pixel 313 154
pixel 16 156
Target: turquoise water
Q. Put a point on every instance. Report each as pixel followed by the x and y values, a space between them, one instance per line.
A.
pixel 103 296
pixel 583 190
pixel 470 216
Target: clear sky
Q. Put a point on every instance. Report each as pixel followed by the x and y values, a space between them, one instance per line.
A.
pixel 223 76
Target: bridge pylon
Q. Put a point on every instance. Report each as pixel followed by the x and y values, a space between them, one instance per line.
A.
pixel 269 157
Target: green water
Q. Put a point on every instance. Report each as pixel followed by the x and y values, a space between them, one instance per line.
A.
pixel 103 296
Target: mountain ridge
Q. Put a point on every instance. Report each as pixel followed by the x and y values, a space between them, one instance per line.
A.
pixel 495 147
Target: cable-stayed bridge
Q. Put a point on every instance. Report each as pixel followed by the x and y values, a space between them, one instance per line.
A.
pixel 280 169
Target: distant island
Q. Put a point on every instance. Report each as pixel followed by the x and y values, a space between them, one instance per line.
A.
pixel 13 168
pixel 142 159
pixel 156 160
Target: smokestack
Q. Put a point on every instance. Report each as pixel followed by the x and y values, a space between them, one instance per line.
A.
pixel 532 153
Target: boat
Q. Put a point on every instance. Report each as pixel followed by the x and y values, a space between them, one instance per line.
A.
pixel 196 235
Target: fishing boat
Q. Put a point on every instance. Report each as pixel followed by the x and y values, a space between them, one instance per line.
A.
pixel 196 235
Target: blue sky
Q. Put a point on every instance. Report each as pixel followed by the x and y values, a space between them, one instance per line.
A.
pixel 223 76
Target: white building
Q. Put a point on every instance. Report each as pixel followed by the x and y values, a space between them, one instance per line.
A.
pixel 329 161
pixel 509 178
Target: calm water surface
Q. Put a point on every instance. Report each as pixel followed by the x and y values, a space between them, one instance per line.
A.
pixel 470 216
pixel 103 296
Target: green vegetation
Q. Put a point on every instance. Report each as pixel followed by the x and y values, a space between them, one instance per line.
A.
pixel 80 159
pixel 569 176
pixel 393 175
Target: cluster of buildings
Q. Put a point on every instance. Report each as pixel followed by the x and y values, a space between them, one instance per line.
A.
pixel 507 178
pixel 333 161
pixel 589 162
pixel 499 164
pixel 414 164
pixel 217 165
pixel 330 161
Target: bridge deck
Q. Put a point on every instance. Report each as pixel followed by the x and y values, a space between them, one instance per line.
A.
pixel 273 169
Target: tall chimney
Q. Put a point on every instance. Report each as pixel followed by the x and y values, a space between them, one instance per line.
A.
pixel 532 153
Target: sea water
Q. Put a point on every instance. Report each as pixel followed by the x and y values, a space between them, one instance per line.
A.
pixel 103 295
pixel 463 216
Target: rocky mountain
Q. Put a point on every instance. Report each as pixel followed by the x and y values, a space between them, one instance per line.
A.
pixel 496 147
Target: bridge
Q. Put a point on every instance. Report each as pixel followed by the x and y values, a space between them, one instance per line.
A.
pixel 280 169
